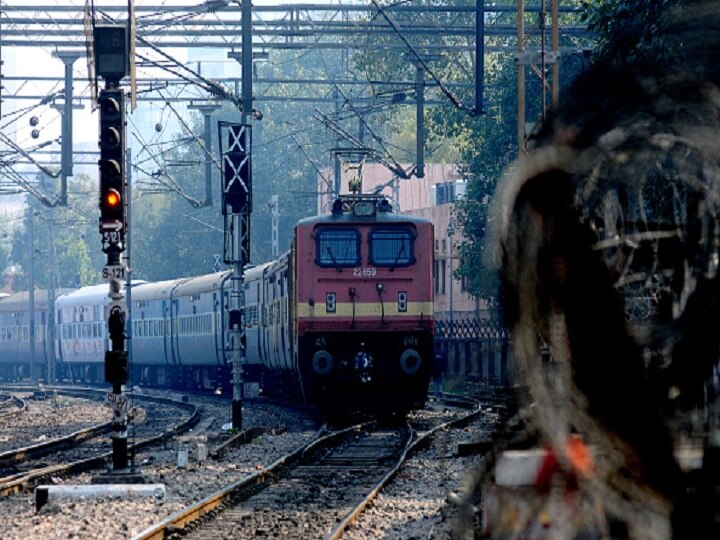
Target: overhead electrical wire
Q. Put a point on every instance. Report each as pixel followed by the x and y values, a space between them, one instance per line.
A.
pixel 325 179
pixel 445 90
pixel 170 182
pixel 192 134
pixel 394 166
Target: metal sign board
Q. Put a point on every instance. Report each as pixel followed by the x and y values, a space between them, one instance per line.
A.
pixel 114 225
pixel 117 402
pixel 111 51
pixel 113 271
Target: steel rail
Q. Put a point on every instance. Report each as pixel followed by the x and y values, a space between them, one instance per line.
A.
pixel 17 455
pixel 25 480
pixel 217 501
pixel 352 517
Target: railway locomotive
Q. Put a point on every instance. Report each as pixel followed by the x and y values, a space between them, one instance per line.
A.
pixel 343 321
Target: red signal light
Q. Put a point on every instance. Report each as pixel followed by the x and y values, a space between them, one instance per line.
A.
pixel 112 198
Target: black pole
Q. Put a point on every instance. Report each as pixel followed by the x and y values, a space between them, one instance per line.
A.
pixel 420 116
pixel 116 366
pixel 479 54
pixel 112 61
pixel 31 294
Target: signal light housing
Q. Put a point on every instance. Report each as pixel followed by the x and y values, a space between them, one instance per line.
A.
pixel 116 367
pixel 111 167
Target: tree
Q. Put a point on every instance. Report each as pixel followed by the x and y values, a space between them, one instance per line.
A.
pixel 488 144
pixel 4 261
pixel 627 29
pixel 59 240
pixel 168 228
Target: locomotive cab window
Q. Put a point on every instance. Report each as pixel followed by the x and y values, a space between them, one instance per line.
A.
pixel 392 247
pixel 337 248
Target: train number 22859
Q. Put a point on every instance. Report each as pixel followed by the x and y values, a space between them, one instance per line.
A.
pixel 364 271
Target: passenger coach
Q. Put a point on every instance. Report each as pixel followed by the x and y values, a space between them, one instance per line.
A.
pixel 343 321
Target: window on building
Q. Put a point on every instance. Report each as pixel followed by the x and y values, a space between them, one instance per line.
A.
pixel 444 193
pixel 442 276
pixel 437 276
pixel 337 248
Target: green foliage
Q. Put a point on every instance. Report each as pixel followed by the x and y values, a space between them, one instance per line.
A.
pixel 490 145
pixel 4 260
pixel 61 240
pixel 626 29
pixel 483 145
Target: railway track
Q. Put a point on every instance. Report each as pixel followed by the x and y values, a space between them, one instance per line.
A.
pixel 316 491
pixel 24 468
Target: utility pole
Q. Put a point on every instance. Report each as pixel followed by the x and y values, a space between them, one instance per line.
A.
pixel 555 14
pixel 207 109
pixel 127 263
pixel 533 58
pixel 66 158
pixel 521 76
pixel 237 206
pixel 451 235
pixel 52 278
pixel 275 218
pixel 31 293
pixel 420 119
pixel 479 54
pixel 336 154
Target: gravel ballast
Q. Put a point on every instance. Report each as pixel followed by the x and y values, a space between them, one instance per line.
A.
pixel 414 505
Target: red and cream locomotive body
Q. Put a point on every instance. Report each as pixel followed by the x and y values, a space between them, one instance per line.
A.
pixel 363 297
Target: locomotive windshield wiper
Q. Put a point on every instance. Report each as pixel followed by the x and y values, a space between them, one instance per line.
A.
pixel 332 257
pixel 397 258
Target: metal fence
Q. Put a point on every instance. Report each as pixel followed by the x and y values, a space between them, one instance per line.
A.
pixel 476 349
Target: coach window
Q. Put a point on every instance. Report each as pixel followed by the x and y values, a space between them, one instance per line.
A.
pixel 392 247
pixel 337 248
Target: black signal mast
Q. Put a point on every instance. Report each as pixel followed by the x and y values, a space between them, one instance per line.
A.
pixel 111 63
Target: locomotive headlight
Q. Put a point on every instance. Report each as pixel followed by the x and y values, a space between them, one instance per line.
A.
pixel 322 362
pixel 410 361
pixel 364 208
pixel 402 302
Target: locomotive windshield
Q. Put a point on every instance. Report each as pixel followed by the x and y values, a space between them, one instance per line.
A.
pixel 392 247
pixel 337 247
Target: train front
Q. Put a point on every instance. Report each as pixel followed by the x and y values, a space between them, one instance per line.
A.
pixel 364 307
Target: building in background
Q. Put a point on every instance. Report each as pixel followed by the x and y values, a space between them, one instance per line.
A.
pixel 432 197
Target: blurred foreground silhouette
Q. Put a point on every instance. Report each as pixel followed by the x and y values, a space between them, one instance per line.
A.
pixel 609 241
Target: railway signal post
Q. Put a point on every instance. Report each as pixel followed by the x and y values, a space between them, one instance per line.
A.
pixel 111 60
pixel 237 206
